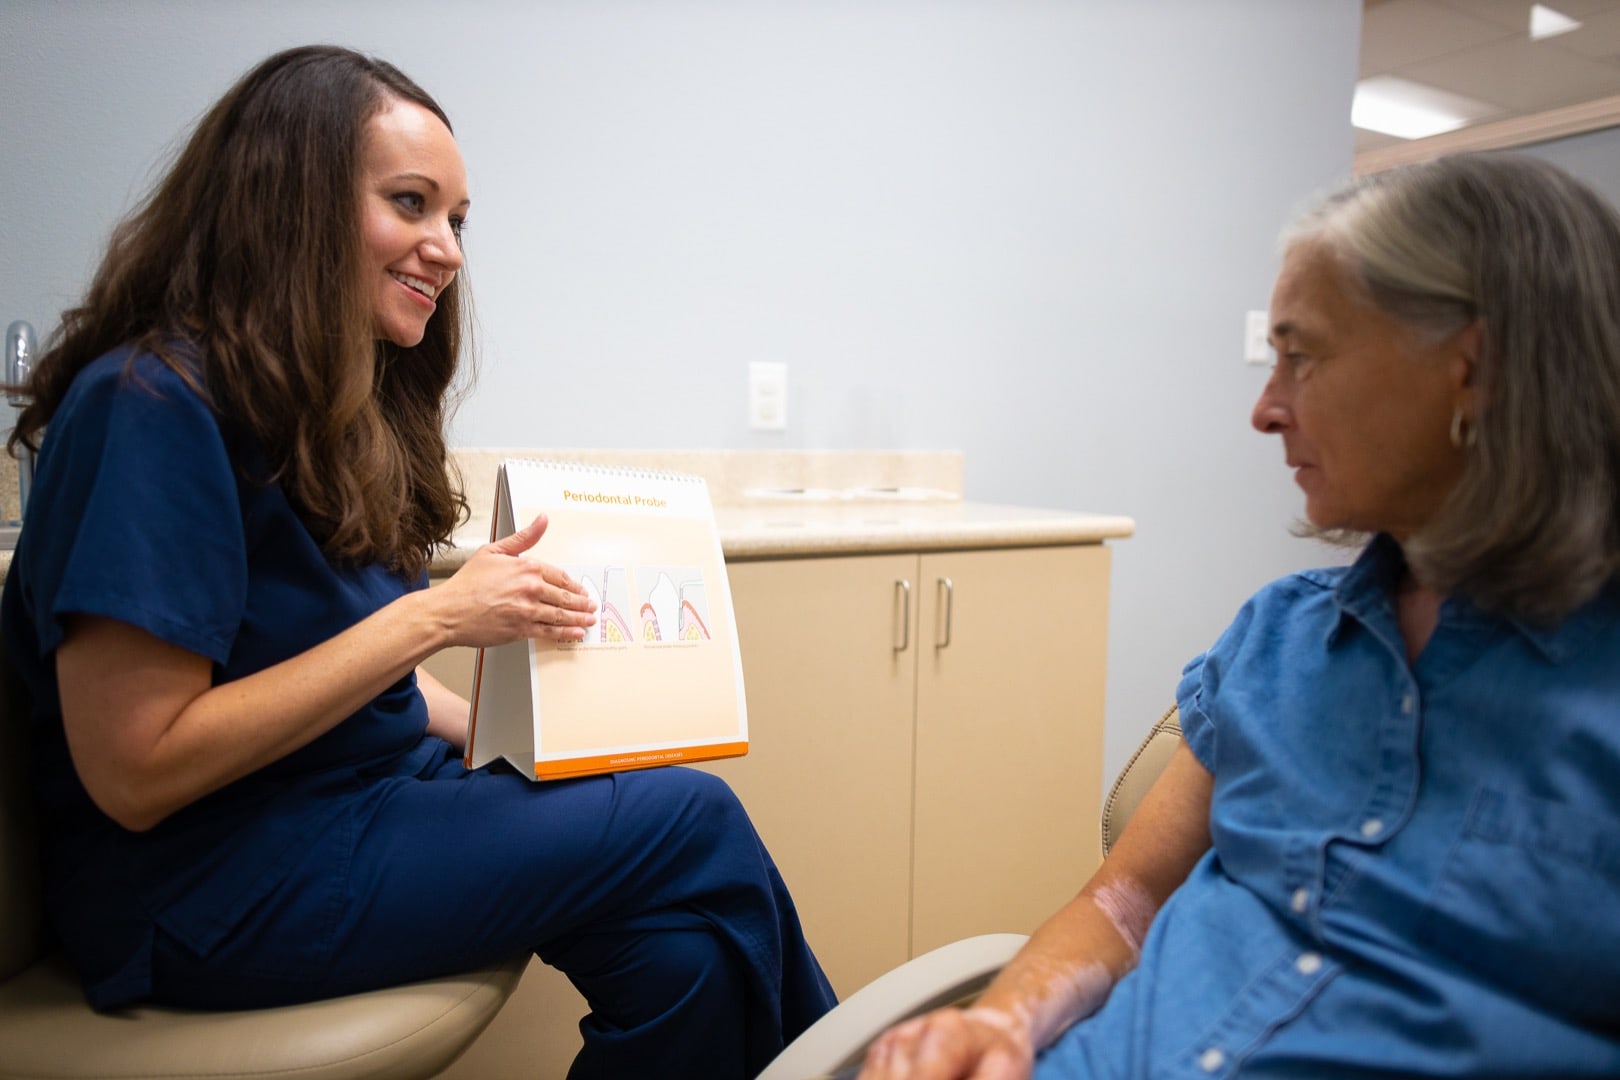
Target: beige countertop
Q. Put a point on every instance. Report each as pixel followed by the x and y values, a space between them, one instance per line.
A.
pixel 784 504
pixel 904 525
pixel 776 530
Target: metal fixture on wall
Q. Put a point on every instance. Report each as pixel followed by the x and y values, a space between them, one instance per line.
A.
pixel 20 343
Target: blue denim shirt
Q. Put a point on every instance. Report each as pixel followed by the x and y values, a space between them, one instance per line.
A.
pixel 1415 868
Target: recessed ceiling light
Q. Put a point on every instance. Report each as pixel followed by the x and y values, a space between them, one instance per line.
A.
pixel 1410 110
pixel 1545 22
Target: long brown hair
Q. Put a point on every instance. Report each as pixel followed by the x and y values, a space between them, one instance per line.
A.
pixel 244 262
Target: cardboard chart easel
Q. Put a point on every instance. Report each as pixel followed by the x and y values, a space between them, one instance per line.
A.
pixel 658 680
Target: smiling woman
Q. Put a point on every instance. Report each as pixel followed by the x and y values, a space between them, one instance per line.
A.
pixel 246 273
pixel 413 206
pixel 249 793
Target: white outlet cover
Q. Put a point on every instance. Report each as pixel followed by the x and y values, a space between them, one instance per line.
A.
pixel 1255 328
pixel 767 396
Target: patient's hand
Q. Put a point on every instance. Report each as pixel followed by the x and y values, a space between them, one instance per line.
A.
pixel 953 1044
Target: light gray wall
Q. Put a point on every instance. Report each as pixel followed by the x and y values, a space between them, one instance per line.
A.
pixel 1025 229
pixel 1593 156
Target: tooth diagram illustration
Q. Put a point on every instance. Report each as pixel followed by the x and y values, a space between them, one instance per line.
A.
pixel 675 613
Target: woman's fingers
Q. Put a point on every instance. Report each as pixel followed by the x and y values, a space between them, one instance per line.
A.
pixel 523 539
pixel 919 1048
pixel 564 608
pixel 567 609
pixel 948 1044
pixel 509 595
pixel 563 591
pixel 561 623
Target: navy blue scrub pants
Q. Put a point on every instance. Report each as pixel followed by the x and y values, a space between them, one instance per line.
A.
pixel 650 890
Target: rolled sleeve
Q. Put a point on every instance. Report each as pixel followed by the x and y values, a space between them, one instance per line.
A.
pixel 1198 692
pixel 144 498
pixel 1196 727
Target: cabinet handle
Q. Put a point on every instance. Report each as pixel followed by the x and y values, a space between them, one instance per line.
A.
pixel 950 596
pixel 904 588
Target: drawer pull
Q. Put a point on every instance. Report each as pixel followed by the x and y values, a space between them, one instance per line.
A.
pixel 903 591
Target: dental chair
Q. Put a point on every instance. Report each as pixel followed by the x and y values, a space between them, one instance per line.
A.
pixel 48 1032
pixel 954 974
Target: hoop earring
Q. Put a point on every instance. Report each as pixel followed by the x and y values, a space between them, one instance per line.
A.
pixel 1463 434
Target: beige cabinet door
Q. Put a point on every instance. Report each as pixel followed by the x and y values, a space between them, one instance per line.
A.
pixel 827 778
pixel 1009 737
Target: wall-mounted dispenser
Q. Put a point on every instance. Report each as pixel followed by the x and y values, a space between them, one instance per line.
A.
pixel 20 345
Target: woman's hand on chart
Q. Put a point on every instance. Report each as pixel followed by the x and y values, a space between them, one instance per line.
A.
pixel 500 596
pixel 952 1044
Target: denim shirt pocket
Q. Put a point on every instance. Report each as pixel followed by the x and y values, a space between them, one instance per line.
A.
pixel 1529 900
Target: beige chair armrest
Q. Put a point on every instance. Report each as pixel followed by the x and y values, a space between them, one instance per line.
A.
pixel 950 975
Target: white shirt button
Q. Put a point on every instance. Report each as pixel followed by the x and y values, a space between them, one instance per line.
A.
pixel 1308 963
pixel 1300 900
pixel 1408 703
pixel 1211 1060
pixel 1372 827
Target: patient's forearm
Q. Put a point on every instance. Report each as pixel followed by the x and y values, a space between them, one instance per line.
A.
pixel 1072 962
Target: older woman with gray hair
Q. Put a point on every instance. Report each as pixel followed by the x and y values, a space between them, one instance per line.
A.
pixel 1391 843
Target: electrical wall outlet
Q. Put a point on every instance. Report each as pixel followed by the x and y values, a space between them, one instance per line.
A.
pixel 767 396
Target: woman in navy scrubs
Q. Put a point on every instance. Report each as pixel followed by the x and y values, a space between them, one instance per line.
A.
pixel 250 793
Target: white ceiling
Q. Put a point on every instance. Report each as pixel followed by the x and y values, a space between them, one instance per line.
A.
pixel 1482 50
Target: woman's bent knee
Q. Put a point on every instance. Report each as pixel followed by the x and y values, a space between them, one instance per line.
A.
pixel 699 796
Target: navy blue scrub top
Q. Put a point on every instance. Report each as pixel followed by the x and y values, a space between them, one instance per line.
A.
pixel 143 511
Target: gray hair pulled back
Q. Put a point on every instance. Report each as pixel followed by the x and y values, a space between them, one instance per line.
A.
pixel 1533 527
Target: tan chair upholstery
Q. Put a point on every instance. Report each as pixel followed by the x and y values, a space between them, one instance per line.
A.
pixel 48 1032
pixel 1138 775
pixel 954 974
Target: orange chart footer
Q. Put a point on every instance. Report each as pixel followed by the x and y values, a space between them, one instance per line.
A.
pixel 648 759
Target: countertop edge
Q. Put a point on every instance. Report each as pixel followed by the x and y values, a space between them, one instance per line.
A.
pixel 795 539
pixel 763 542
